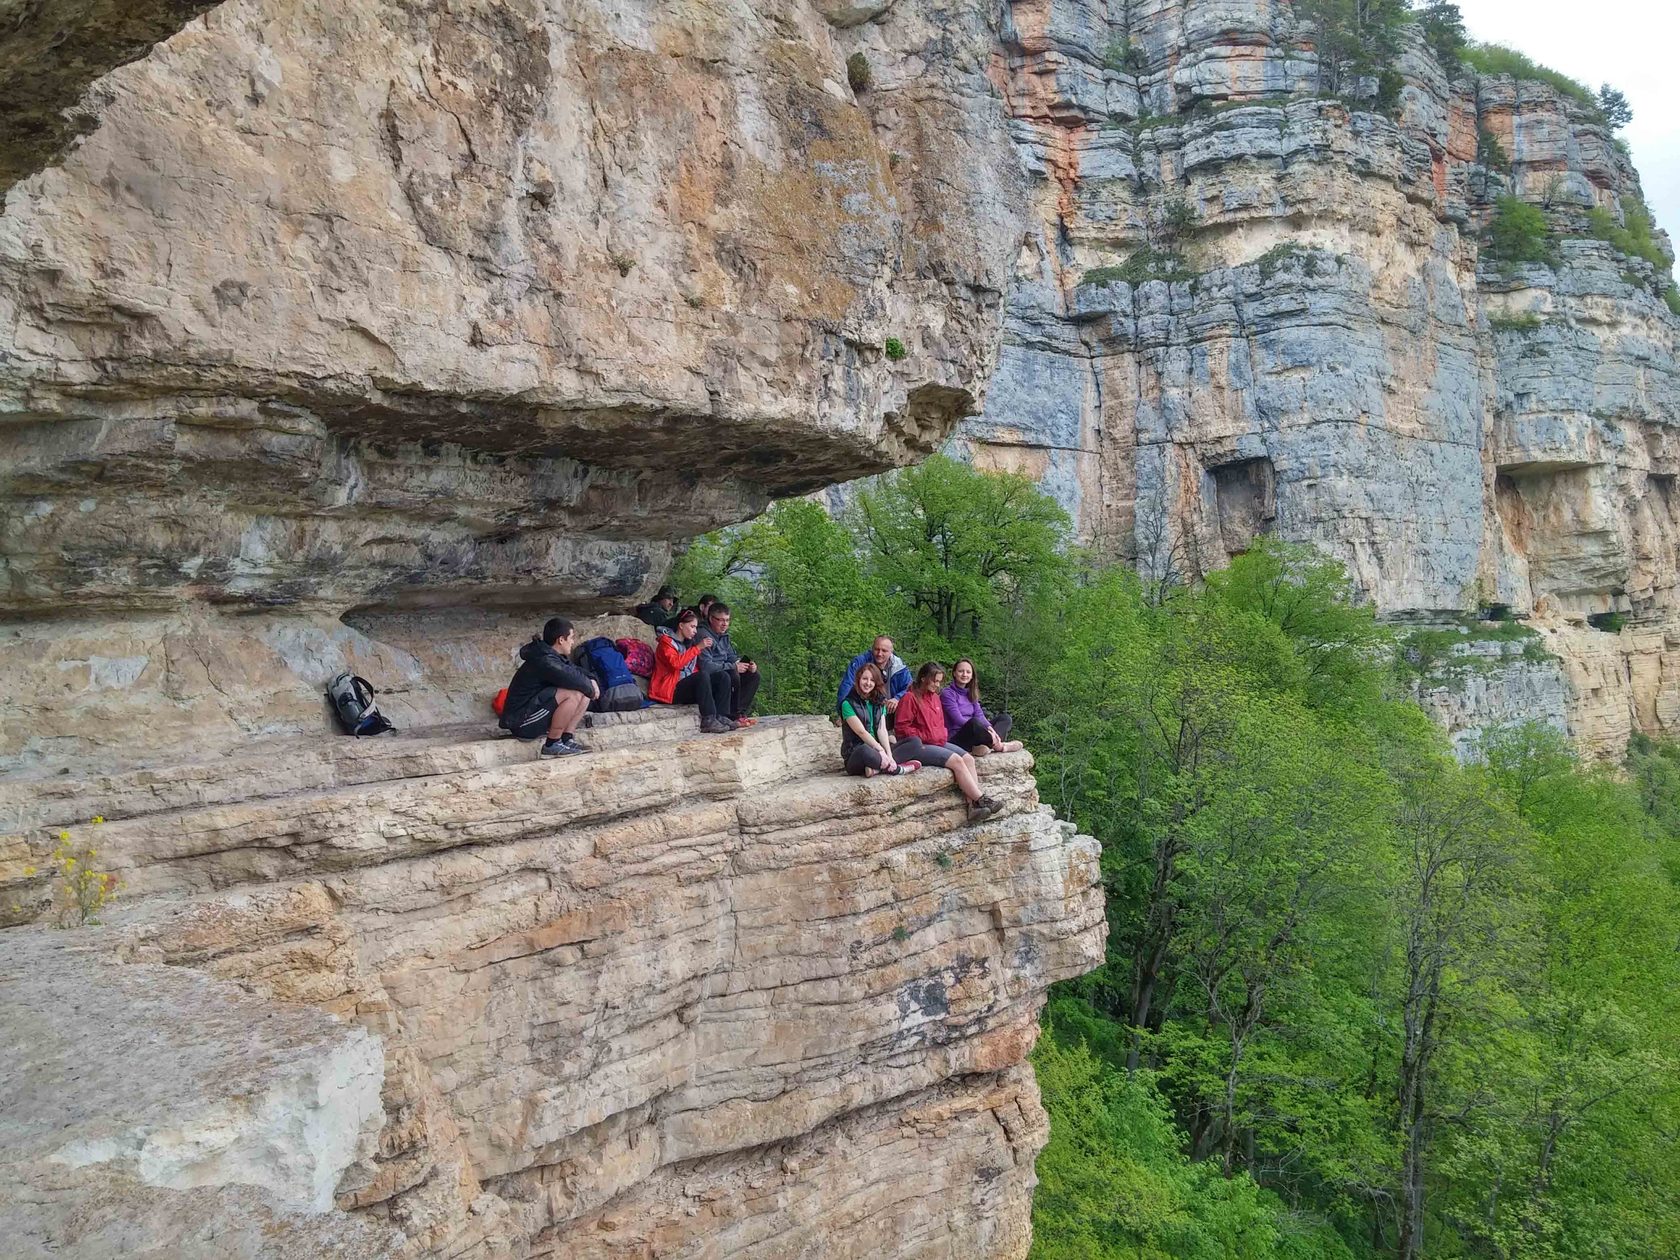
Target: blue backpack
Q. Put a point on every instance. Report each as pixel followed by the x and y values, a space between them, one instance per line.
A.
pixel 605 663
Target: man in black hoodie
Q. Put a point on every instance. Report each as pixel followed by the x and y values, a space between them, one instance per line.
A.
pixel 548 694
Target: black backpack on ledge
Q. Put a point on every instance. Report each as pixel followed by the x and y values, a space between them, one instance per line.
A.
pixel 351 697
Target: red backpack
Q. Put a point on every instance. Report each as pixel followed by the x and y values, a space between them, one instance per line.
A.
pixel 638 657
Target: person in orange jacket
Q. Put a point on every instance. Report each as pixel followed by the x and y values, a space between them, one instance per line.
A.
pixel 676 677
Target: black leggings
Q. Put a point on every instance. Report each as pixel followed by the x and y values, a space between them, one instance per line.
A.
pixel 709 691
pixel 745 688
pixel 863 757
pixel 719 693
pixel 972 733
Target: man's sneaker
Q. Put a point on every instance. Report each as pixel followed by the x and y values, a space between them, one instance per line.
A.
pixel 716 726
pixel 574 743
pixel 562 748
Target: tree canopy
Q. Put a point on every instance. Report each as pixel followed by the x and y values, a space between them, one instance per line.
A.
pixel 1361 999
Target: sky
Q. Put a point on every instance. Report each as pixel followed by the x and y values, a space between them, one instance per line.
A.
pixel 1629 44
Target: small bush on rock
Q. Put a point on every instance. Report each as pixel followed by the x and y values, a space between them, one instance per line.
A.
pixel 1634 236
pixel 858 73
pixel 80 888
pixel 1518 233
pixel 1490 153
pixel 895 349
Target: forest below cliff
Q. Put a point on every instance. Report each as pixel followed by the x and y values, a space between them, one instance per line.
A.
pixel 1361 999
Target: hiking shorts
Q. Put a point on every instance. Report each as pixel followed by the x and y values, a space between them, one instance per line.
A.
pixel 535 722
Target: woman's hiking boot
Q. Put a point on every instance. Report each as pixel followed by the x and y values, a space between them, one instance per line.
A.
pixel 982 809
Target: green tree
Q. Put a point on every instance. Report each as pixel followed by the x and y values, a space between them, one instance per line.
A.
pixel 1353 39
pixel 801 598
pixel 1615 108
pixel 1443 30
pixel 956 548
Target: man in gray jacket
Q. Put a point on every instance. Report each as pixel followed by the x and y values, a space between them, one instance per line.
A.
pixel 743 675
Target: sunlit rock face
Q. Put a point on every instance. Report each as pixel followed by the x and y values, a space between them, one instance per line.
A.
pixel 355 310
pixel 368 335
pixel 1336 361
pixel 431 996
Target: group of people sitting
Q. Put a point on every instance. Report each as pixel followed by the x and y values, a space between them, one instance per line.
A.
pixel 891 724
pixel 549 694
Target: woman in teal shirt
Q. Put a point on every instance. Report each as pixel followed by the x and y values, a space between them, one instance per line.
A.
pixel 864 744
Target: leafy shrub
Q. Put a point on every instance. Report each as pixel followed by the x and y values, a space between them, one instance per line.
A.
pixel 1634 236
pixel 1499 59
pixel 1123 57
pixel 1279 256
pixel 895 349
pixel 858 73
pixel 1609 622
pixel 1518 233
pixel 1528 321
pixel 1145 263
pixel 1671 295
pixel 1490 153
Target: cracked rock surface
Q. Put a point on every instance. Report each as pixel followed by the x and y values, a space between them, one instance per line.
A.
pixel 687 996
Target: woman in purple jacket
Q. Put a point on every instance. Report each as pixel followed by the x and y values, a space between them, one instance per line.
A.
pixel 970 728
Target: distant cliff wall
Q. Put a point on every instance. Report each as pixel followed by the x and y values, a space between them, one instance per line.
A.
pixel 1329 353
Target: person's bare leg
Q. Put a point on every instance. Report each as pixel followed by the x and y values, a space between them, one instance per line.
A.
pixel 968 781
pixel 569 708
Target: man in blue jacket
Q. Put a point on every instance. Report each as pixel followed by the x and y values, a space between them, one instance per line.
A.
pixel 896 671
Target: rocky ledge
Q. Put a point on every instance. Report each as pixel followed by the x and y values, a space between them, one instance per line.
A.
pixel 429 995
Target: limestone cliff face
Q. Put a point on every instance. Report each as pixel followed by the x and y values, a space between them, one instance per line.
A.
pixel 365 335
pixel 339 312
pixel 683 997
pixel 1331 357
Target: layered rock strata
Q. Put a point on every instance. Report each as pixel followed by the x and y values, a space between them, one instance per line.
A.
pixel 685 996
pixel 350 310
pixel 1247 306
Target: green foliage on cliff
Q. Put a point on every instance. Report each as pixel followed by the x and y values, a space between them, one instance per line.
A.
pixel 949 560
pixel 1360 1000
pixel 1518 233
pixel 1499 59
pixel 1634 236
pixel 1354 39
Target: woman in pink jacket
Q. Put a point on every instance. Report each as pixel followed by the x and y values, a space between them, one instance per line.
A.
pixel 970 728
pixel 921 714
